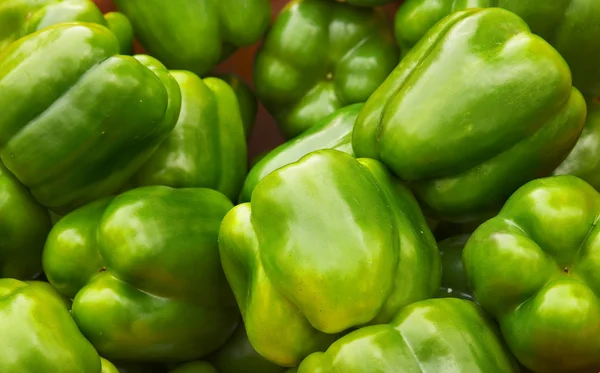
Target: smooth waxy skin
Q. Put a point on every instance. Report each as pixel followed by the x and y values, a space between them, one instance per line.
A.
pixel 22 17
pixel 246 100
pixel 121 27
pixel 195 35
pixel 320 56
pixel 454 281
pixel 145 273
pixel 38 334
pixel 448 120
pixel 430 336
pixel 24 225
pixel 535 266
pixel 354 239
pixel 571 26
pixel 108 367
pixel 207 147
pixel 584 159
pixel 77 129
pixel 332 132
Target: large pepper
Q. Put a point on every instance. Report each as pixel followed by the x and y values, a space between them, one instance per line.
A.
pixel 78 128
pixel 332 132
pixel 454 280
pixel 571 26
pixel 24 225
pixel 430 336
pixel 246 100
pixel 584 160
pixel 196 34
pixel 327 243
pixel 320 56
pixel 38 334
pixel 144 272
pixel 536 268
pixel 22 17
pixel 478 107
pixel 207 147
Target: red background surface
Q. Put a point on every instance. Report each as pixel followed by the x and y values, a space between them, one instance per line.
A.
pixel 266 135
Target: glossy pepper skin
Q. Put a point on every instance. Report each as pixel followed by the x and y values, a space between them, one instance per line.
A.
pixel 454 280
pixel 535 268
pixel 478 107
pixel 326 244
pixel 246 100
pixel 332 132
pixel 22 17
pixel 24 225
pixel 207 147
pixel 430 336
pixel 571 26
pixel 320 56
pixel 77 129
pixel 145 274
pixel 123 30
pixel 195 35
pixel 584 159
pixel 38 334
pixel 108 367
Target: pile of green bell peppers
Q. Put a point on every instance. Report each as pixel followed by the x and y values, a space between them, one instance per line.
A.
pixel 433 207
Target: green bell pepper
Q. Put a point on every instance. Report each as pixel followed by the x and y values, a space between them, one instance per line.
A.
pixel 571 26
pixel 195 35
pixel 144 271
pixel 238 356
pixel 207 147
pixel 445 229
pixel 320 56
pixel 123 30
pixel 584 160
pixel 454 281
pixel 204 367
pixel 430 336
pixel 132 367
pixel 24 225
pixel 22 17
pixel 368 3
pixel 108 367
pixel 535 267
pixel 78 128
pixel 478 107
pixel 38 334
pixel 332 132
pixel 195 367
pixel 327 243
pixel 246 100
